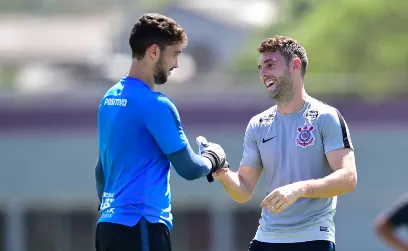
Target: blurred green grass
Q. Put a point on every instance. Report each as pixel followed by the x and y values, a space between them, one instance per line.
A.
pixel 355 47
pixel 8 76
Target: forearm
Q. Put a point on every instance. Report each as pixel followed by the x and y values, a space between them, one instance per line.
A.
pixel 99 178
pixel 337 183
pixel 236 187
pixel 190 165
pixel 387 234
pixel 391 239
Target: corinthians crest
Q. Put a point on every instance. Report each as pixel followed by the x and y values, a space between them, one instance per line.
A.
pixel 305 136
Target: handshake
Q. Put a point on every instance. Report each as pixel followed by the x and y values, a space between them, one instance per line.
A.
pixel 214 153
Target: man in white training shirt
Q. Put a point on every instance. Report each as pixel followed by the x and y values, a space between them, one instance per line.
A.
pixel 304 148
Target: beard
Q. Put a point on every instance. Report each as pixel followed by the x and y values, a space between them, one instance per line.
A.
pixel 160 74
pixel 283 89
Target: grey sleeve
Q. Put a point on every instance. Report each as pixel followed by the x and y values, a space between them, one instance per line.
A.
pixel 251 156
pixel 335 132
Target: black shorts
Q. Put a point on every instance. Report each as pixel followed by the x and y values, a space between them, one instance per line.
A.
pixel 298 246
pixel 145 236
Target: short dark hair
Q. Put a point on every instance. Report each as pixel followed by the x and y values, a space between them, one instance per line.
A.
pixel 153 28
pixel 288 47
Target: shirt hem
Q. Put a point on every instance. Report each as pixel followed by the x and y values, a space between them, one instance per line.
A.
pixel 291 238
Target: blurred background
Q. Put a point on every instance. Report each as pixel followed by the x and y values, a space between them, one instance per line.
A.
pixel 58 57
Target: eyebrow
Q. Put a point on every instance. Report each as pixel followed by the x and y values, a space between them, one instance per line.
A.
pixel 267 61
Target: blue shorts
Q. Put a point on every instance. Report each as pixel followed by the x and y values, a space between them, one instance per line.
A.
pixel 297 246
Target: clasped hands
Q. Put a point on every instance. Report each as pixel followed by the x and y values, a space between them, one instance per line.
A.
pixel 214 153
pixel 275 202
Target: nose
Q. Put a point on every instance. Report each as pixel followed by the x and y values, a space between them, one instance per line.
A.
pixel 263 72
pixel 176 63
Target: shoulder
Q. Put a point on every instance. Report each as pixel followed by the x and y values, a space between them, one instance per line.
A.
pixel 319 108
pixel 163 101
pixel 159 109
pixel 162 107
pixel 264 118
pixel 157 101
pixel 113 90
pixel 113 97
pixel 322 112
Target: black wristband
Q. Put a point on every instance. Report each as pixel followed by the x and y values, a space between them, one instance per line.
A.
pixel 210 177
pixel 212 159
pixel 213 165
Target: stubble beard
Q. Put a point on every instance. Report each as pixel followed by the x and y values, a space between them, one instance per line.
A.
pixel 285 92
pixel 160 76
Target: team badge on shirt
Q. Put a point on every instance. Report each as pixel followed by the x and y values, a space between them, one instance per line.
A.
pixel 311 114
pixel 305 136
pixel 267 119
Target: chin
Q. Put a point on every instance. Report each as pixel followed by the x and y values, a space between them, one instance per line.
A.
pixel 273 95
pixel 160 81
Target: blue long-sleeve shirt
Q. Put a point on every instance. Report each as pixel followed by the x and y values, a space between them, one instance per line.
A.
pixel 187 164
pixel 139 135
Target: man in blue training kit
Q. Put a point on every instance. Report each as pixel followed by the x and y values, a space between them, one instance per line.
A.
pixel 139 135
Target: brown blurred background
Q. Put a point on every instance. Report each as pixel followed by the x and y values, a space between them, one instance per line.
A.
pixel 58 57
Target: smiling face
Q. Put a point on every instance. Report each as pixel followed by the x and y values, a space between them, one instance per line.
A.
pixel 275 74
pixel 282 66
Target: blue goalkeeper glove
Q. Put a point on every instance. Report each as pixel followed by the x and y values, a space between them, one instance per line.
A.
pixel 214 153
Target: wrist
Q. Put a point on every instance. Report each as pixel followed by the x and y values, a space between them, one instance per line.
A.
pixel 224 174
pixel 302 188
pixel 212 160
pixel 208 164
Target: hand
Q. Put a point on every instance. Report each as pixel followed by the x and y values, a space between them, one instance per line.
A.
pixel 214 153
pixel 282 197
pixel 218 175
pixel 201 142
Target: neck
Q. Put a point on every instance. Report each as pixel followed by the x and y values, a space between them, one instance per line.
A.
pixel 296 102
pixel 140 70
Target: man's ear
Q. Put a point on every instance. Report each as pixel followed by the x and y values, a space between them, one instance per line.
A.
pixel 153 52
pixel 296 65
